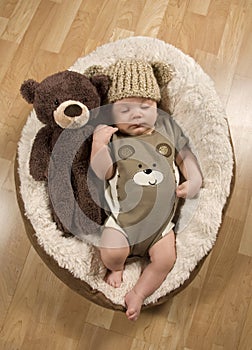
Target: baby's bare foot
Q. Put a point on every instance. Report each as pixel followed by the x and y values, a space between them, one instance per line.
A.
pixel 133 303
pixel 114 278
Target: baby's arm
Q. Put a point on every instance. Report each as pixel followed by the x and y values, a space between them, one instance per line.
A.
pixel 101 161
pixel 189 167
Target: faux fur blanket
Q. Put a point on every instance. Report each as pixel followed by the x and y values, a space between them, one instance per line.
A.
pixel 194 104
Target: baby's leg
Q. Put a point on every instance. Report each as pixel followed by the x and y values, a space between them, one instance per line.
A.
pixel 162 259
pixel 114 250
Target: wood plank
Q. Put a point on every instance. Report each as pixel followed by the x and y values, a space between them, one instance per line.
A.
pixel 204 32
pixel 199 7
pixel 99 316
pixel 172 22
pixel 119 33
pixel 7 53
pixel 221 65
pixel 222 307
pixel 244 64
pixel 42 336
pixel 94 337
pixel 59 29
pixel 7 7
pixel 149 22
pixel 104 24
pixel 246 336
pixel 20 20
pixel 246 240
pixel 178 324
pixel 239 103
pixel 3 24
pixel 35 310
pixel 14 246
pixel 128 17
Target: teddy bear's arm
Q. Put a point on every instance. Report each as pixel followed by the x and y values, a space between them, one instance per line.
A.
pixel 40 154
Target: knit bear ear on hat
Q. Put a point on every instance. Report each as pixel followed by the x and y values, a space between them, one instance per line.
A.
pixel 95 73
pixel 94 70
pixel 163 72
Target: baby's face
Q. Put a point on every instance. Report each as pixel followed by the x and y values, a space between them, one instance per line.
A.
pixel 135 116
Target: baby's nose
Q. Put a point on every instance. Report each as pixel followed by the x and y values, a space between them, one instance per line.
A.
pixel 137 113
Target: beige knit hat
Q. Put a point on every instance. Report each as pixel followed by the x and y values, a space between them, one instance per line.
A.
pixel 134 78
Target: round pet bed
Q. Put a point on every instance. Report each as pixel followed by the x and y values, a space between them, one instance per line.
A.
pixel 191 99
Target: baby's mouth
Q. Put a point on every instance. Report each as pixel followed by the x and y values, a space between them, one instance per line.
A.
pixel 136 125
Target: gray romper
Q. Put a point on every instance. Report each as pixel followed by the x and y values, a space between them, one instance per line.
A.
pixel 141 196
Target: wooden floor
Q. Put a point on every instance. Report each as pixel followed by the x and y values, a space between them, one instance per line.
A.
pixel 37 311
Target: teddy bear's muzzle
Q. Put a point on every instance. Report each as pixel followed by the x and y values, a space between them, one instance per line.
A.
pixel 71 114
pixel 148 177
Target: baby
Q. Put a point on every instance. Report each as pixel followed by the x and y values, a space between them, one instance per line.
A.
pixel 137 158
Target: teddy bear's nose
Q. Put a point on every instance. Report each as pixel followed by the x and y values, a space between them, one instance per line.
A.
pixel 147 171
pixel 73 110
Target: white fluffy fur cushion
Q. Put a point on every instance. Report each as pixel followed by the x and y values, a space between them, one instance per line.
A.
pixel 197 109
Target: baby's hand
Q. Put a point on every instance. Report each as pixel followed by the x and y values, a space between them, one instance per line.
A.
pixel 188 189
pixel 102 134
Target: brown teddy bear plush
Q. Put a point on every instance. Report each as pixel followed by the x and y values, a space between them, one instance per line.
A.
pixel 66 102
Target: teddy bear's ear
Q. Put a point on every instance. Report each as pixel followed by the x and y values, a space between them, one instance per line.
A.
pixel 102 84
pixel 28 89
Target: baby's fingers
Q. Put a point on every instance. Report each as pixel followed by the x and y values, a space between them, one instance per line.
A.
pixel 105 129
pixel 103 133
pixel 182 190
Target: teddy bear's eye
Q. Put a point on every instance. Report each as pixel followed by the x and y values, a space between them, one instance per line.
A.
pixel 139 165
pixel 56 102
pixel 154 165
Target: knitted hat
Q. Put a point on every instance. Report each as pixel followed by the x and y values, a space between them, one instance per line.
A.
pixel 132 78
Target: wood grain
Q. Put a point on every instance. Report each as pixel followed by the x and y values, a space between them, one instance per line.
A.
pixel 37 311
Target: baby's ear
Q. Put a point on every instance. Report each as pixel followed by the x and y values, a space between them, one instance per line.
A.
pixel 126 151
pixel 163 72
pixel 28 89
